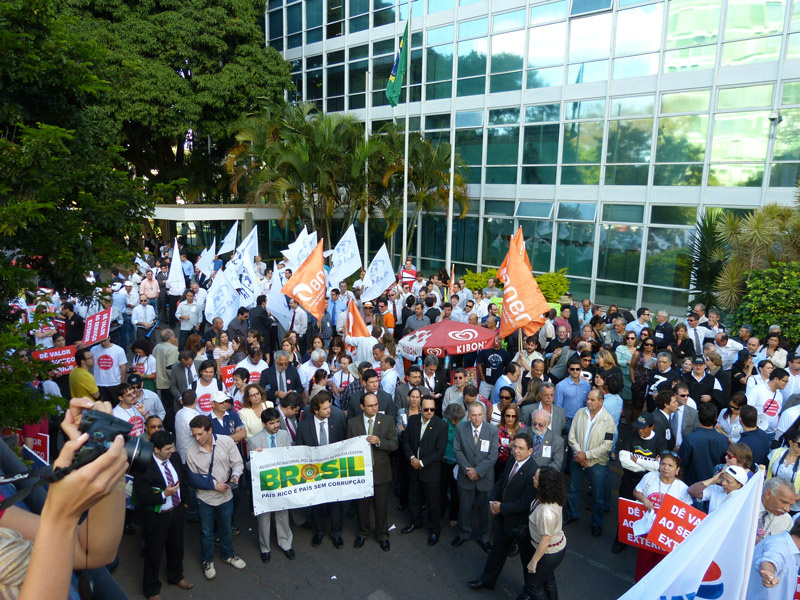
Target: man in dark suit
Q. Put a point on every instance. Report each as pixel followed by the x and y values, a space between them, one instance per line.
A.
pixel 414 377
pixel 157 495
pixel 685 420
pixel 280 379
pixel 262 323
pixel 382 436
pixel 435 379
pixel 666 406
pixel 182 374
pixel 424 443
pixel 475 446
pixel 510 502
pixel 548 448
pixel 321 429
pixel 371 383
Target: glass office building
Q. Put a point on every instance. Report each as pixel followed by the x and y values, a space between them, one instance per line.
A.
pixel 603 127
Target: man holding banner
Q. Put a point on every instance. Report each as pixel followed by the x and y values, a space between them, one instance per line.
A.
pixel 320 430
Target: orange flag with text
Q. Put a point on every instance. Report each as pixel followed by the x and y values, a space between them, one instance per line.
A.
pixel 307 284
pixel 523 301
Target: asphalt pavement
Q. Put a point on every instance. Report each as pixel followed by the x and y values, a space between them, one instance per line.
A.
pixel 410 570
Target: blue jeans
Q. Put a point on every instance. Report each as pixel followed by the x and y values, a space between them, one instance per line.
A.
pixel 222 514
pixel 597 479
pixel 193 512
pixel 127 336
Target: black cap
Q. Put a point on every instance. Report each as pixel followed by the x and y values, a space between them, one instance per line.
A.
pixel 644 420
pixel 134 379
pixel 699 359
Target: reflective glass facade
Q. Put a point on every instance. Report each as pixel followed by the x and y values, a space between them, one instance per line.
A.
pixel 602 127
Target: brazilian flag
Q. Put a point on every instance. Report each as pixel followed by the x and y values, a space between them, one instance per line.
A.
pixel 395 85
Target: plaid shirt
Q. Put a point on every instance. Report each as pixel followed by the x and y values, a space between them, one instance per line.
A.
pixel 344 398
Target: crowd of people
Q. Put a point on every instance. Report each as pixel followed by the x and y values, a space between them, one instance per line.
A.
pixel 682 405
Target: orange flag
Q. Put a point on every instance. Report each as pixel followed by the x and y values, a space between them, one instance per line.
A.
pixel 523 301
pixel 307 284
pixel 355 325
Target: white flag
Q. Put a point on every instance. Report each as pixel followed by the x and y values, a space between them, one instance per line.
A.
pixel 222 300
pixel 142 264
pixel 249 243
pixel 276 302
pixel 206 261
pixel 380 275
pixel 290 254
pixel 250 287
pixel 229 241
pixel 714 561
pixel 175 279
pixel 346 258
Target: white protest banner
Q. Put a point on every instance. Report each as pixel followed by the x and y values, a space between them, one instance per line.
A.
pixel 175 279
pixel 222 300
pixel 346 258
pixel 206 261
pixel 300 476
pixel 249 244
pixel 97 327
pixel 714 560
pixel 276 301
pixel 249 280
pixel 229 241
pixel 380 275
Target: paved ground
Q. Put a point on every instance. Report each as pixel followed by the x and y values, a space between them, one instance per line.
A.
pixel 410 570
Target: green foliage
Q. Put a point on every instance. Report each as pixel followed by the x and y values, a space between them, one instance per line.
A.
pixel 67 198
pixel 553 284
pixel 706 259
pixel 475 281
pixel 770 297
pixel 183 74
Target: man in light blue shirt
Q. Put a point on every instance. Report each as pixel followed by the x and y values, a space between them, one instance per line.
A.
pixel 509 378
pixel 776 562
pixel 642 320
pixel 571 393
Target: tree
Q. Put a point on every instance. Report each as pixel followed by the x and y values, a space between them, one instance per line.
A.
pixel 67 199
pixel 707 258
pixel 184 73
pixel 770 297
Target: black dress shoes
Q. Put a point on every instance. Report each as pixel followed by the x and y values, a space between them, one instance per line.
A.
pixel 317 539
pixel 485 545
pixel 337 542
pixel 514 550
pixel 408 528
pixel 265 557
pixel 597 531
pixel 433 539
pixel 457 541
pixel 290 554
pixel 385 545
pixel 478 584
pixel 617 547
pixel 359 541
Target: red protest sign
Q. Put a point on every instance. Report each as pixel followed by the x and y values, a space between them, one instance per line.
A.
pixel 60 325
pixel 97 327
pixel 41 445
pixel 629 512
pixel 675 520
pixel 227 375
pixel 63 357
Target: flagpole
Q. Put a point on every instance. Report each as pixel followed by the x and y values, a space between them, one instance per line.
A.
pixel 405 145
pixel 367 126
pixel 449 243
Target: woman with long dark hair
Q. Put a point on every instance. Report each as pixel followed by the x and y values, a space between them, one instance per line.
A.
pixel 547 537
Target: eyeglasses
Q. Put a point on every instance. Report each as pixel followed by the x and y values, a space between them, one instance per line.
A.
pixel 669 453
pixel 649 344
pixel 683 395
pixel 729 455
pixel 502 397
pixel 458 377
pixel 574 368
pixel 733 408
pixel 428 409
pixel 512 415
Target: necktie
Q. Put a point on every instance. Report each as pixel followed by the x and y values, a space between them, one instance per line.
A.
pixel 291 325
pixel 323 435
pixel 673 420
pixel 290 429
pixel 475 437
pixel 369 431
pixel 282 381
pixel 189 377
pixel 272 442
pixel 394 310
pixel 537 444
pixel 513 471
pixel 698 347
pixel 170 480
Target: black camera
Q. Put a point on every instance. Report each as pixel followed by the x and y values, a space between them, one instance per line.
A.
pixel 103 429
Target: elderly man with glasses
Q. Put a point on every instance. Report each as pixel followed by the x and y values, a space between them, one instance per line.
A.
pixel 455 393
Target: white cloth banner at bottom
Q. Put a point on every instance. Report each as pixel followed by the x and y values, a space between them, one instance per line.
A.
pixel 300 476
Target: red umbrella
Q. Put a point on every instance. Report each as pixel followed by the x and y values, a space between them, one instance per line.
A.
pixel 451 337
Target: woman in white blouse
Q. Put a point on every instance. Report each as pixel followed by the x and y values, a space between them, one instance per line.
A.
pixel 547 537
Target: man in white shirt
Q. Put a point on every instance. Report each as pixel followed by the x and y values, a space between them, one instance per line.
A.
pixel 388 375
pixel 728 350
pixel 110 365
pixel 189 316
pixel 455 393
pixel 308 368
pixel 150 400
pixel 143 317
pixel 253 363
pixel 768 400
pixel 299 320
pixel 696 332
pixel 793 387
pixel 481 306
pixel 200 296
pixel 458 313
